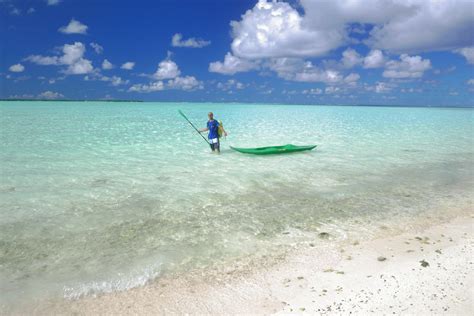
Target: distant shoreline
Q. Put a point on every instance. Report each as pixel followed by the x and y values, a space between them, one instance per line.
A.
pixel 248 103
pixel 69 100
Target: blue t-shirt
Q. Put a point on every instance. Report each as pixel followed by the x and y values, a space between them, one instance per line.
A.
pixel 213 127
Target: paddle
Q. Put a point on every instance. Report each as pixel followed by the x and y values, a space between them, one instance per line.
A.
pixel 182 114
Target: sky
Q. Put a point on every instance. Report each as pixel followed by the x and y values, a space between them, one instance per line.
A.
pixel 375 52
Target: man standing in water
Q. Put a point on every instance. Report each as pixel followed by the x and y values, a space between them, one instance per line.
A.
pixel 213 136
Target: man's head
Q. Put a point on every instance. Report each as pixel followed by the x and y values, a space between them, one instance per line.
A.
pixel 210 115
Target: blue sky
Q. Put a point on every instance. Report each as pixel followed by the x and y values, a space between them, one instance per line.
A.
pixel 308 52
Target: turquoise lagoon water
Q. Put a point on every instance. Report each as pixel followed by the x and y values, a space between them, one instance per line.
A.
pixel 98 197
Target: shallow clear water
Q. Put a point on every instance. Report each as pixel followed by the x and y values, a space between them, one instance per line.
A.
pixel 98 197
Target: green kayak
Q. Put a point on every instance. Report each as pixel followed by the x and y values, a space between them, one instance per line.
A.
pixel 273 149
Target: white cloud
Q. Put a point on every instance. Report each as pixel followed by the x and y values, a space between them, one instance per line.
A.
pixel 407 67
pixel 381 87
pixel 375 59
pixel 74 27
pixel 22 96
pixel 43 60
pixel 167 69
pixel 72 57
pixel 411 90
pixel 315 28
pixel 429 26
pixel 128 65
pixel 53 2
pixel 470 82
pixel 106 65
pixel 177 41
pixel 332 90
pixel 82 66
pixel 186 83
pixel 275 29
pixel 230 84
pixel 31 10
pixel 232 65
pixel 50 95
pixel 351 58
pixel 351 79
pixel 315 91
pixel 315 74
pixel 114 80
pixel 17 68
pixel 147 88
pixel 402 26
pixel 296 69
pixel 98 48
pixel 468 53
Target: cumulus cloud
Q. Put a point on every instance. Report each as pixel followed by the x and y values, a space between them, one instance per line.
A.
pixel 230 84
pixel 147 88
pixel 167 77
pixel 381 87
pixel 74 27
pixel 17 68
pixel 315 91
pixel 98 48
pixel 73 58
pixel 276 29
pixel 167 69
pixel 332 90
pixel 115 80
pixel 429 26
pixel 407 67
pixel 411 90
pixel 43 60
pixel 352 79
pixel 50 95
pixel 297 69
pixel 186 83
pixel 128 65
pixel 279 30
pixel 375 59
pixel 468 53
pixel 177 41
pixel 106 65
pixel 281 36
pixel 401 26
pixel 80 67
pixel 232 65
pixel 21 96
pixel 351 58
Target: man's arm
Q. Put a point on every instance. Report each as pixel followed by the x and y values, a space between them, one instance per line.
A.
pixel 202 130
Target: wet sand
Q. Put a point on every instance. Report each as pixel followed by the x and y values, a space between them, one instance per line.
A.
pixel 420 272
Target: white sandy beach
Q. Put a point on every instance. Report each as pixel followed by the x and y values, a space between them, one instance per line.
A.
pixel 350 279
